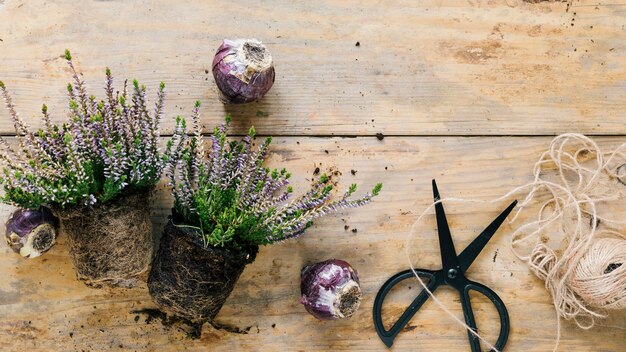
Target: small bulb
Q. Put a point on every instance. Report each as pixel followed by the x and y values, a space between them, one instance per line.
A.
pixel 330 290
pixel 31 232
pixel 243 70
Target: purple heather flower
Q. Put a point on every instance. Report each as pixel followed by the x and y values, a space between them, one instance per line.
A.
pixel 56 164
pixel 256 190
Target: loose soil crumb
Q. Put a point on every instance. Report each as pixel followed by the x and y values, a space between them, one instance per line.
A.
pixel 357 44
pixel 353 172
pixel 193 330
pixel 230 328
pixel 380 136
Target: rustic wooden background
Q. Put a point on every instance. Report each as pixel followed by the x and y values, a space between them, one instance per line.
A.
pixel 469 92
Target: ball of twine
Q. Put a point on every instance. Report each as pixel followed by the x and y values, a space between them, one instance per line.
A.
pixel 597 282
pixel 582 266
pixel 599 278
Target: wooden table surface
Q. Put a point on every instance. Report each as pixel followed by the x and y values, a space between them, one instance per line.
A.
pixel 470 92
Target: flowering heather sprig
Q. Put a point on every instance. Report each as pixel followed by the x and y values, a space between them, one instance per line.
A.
pixel 233 200
pixel 104 148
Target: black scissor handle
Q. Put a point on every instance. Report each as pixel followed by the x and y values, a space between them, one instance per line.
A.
pixel 387 336
pixel 469 315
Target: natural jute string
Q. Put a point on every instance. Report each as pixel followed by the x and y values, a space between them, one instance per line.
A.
pixel 570 244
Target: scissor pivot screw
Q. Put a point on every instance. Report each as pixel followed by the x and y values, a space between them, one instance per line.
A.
pixel 452 273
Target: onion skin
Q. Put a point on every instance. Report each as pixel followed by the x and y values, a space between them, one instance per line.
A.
pixel 31 232
pixel 243 70
pixel 330 290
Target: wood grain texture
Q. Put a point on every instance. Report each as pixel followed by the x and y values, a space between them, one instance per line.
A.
pixel 422 68
pixel 43 307
pixel 427 72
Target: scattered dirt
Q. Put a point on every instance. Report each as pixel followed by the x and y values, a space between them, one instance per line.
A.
pixel 495 255
pixel 353 172
pixel 357 44
pixel 380 136
pixel 193 330
pixel 232 329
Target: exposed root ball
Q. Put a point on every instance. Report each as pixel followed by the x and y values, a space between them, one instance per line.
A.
pixel 191 281
pixel 110 244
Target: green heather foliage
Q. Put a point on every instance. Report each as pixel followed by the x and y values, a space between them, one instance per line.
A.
pixel 232 200
pixel 106 147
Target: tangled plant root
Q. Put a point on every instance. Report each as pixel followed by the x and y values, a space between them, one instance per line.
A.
pixel 110 244
pixel 191 281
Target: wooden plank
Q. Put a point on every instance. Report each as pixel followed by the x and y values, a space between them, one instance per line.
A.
pixel 43 307
pixel 422 68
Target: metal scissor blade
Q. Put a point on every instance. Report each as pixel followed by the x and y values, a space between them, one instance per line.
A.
pixel 449 259
pixel 469 254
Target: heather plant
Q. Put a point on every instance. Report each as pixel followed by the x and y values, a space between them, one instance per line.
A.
pixel 106 148
pixel 223 191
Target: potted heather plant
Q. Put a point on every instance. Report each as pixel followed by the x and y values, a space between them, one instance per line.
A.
pixel 95 172
pixel 226 204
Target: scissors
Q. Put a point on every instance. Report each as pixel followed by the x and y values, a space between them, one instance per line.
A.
pixel 452 274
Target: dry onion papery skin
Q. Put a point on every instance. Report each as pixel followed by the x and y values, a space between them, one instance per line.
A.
pixel 330 289
pixel 243 70
pixel 31 232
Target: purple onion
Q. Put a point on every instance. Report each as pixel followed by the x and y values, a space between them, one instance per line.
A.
pixel 243 70
pixel 31 232
pixel 330 290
